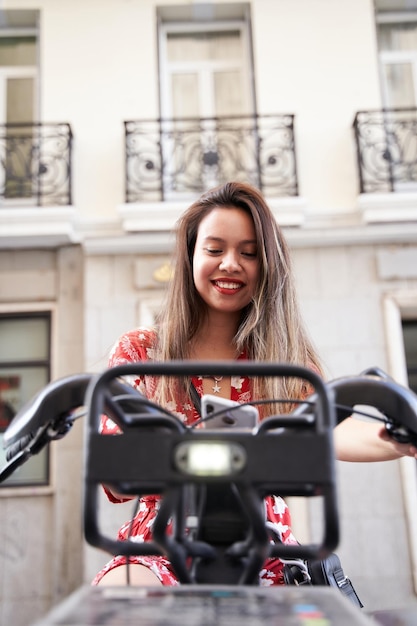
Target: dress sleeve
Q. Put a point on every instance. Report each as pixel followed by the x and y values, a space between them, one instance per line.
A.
pixel 132 347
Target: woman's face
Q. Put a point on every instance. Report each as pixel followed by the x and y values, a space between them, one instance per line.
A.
pixel 226 264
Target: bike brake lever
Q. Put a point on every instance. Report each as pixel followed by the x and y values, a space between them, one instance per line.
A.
pixel 401 434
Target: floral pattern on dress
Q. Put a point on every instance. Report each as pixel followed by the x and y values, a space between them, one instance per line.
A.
pixel 137 346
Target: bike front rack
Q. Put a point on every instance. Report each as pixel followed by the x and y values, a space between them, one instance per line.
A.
pixel 285 456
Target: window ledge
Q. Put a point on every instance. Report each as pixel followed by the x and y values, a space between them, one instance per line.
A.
pixel 47 227
pixel 388 207
pixel 15 491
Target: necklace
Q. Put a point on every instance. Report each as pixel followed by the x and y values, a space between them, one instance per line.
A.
pixel 216 387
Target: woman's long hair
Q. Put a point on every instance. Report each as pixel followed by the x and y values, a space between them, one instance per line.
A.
pixel 271 328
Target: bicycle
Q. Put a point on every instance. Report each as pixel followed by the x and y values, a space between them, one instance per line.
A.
pixel 220 539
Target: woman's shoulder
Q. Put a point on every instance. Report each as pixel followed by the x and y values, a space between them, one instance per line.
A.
pixel 134 345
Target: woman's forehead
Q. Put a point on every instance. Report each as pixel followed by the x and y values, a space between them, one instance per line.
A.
pixel 223 221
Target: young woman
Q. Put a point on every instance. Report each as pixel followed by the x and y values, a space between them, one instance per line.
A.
pixel 231 297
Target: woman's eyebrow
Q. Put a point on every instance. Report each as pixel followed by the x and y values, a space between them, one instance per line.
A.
pixel 212 238
pixel 221 240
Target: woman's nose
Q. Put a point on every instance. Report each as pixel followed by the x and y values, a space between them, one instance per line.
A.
pixel 229 262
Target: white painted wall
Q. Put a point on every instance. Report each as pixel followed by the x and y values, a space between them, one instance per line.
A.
pixel 322 66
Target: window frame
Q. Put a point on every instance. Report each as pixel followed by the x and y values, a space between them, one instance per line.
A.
pixel 167 69
pixel 22 310
pixel 411 322
pixel 399 305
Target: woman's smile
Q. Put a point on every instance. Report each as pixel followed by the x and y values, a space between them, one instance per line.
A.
pixel 228 286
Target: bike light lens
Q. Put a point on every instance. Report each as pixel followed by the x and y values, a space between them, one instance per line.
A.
pixel 210 458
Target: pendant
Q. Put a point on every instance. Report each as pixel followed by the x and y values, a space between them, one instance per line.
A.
pixel 216 388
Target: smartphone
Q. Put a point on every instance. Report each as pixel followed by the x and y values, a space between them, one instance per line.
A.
pixel 227 413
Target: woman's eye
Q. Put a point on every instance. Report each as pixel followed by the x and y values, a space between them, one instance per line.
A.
pixel 213 250
pixel 251 255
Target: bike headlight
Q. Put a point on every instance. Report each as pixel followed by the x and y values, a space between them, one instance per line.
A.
pixel 210 458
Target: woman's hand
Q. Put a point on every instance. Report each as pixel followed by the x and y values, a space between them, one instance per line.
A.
pixel 403 449
pixel 359 441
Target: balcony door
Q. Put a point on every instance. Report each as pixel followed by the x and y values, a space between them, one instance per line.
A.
pixel 398 65
pixel 18 107
pixel 205 75
pixel 17 113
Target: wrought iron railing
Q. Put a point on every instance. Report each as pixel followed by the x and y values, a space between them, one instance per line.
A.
pixel 386 142
pixel 170 158
pixel 35 164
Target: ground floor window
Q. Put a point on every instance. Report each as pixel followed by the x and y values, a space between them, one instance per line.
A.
pixel 400 308
pixel 25 368
pixel 410 348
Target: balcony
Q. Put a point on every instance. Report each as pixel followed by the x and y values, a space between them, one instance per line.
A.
pixel 35 164
pixel 386 145
pixel 171 160
pixel 35 184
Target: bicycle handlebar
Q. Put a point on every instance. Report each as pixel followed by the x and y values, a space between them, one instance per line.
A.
pixel 57 398
pixel 44 418
pixel 47 415
pixel 374 388
pixel 397 403
pixel 296 449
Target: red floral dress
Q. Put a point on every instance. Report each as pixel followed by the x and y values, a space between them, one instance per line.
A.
pixel 135 346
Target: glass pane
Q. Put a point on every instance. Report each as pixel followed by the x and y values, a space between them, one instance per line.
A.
pixel 17 51
pixel 410 347
pixel 204 46
pixel 20 100
pixel 35 472
pixel 400 87
pixel 19 140
pixel 24 339
pixel 18 386
pixel 229 93
pixel 185 95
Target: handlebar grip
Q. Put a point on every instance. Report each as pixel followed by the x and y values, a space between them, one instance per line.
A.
pixel 18 446
pixel 375 388
pixel 397 403
pixel 55 399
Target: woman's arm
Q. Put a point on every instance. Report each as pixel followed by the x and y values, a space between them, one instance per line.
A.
pixel 359 441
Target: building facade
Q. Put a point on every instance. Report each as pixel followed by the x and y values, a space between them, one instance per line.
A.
pixel 115 115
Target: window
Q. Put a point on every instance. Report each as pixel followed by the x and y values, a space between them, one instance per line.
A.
pixel 410 348
pixel 397 43
pixel 19 103
pixel 398 56
pixel 205 60
pixel 400 310
pixel 206 74
pixel 24 370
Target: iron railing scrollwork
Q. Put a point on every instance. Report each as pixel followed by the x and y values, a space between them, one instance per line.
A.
pixel 35 163
pixel 386 144
pixel 169 158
